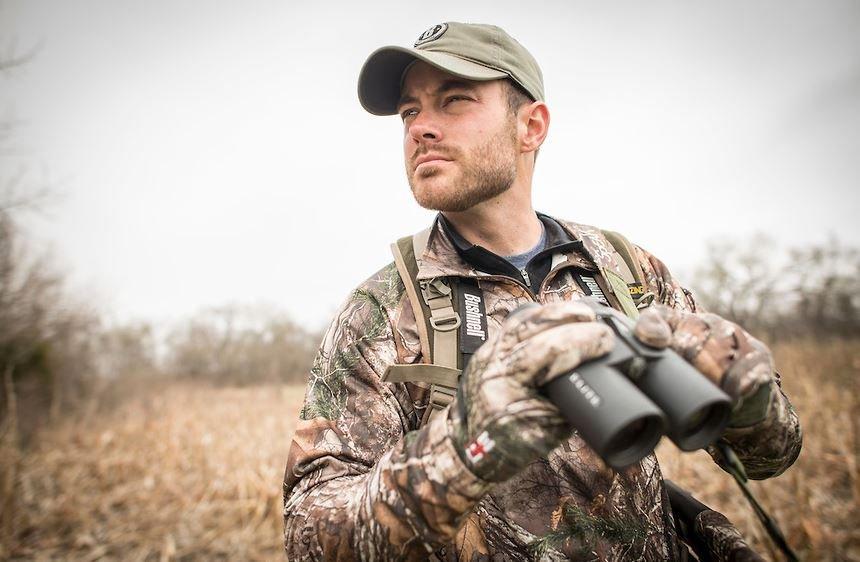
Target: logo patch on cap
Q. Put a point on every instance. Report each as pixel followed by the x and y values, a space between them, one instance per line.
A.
pixel 431 34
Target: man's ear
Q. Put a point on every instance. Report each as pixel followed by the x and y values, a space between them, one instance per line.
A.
pixel 534 118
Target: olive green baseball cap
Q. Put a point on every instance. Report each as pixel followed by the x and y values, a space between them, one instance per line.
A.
pixel 466 50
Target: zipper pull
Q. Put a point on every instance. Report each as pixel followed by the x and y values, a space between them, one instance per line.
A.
pixel 525 275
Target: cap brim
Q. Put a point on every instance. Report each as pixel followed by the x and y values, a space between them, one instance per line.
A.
pixel 379 80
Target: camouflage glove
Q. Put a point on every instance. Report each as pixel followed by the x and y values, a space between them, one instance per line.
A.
pixel 500 422
pixel 723 351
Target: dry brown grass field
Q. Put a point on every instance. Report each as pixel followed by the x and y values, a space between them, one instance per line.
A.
pixel 817 500
pixel 194 473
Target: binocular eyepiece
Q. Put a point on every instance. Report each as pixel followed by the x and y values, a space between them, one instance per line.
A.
pixel 623 403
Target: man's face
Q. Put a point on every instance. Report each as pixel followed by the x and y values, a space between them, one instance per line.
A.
pixel 460 139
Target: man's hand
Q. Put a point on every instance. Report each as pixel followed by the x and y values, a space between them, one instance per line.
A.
pixel 723 351
pixel 500 422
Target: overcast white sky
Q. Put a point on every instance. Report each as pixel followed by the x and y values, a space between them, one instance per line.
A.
pixel 213 152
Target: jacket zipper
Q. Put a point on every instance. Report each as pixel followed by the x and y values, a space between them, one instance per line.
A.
pixel 516 282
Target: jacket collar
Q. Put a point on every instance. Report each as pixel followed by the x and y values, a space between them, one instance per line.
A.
pixel 449 254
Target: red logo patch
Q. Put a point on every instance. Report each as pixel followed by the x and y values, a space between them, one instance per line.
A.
pixel 476 450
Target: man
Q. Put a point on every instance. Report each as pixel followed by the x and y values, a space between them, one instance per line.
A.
pixel 499 475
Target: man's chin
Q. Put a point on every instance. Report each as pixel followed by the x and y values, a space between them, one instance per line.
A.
pixel 428 200
pixel 431 200
pixel 431 192
pixel 436 202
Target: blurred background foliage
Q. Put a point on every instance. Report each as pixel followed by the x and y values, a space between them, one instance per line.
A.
pixel 779 293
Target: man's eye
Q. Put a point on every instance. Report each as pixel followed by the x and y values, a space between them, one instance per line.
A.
pixel 455 98
pixel 408 113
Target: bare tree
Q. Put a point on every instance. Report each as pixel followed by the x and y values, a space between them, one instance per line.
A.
pixel 39 332
pixel 18 319
pixel 812 290
pixel 825 280
pixel 241 345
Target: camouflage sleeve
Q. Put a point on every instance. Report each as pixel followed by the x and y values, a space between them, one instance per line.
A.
pixel 659 281
pixel 767 447
pixel 357 486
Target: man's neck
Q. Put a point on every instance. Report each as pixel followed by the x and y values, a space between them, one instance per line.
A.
pixel 502 229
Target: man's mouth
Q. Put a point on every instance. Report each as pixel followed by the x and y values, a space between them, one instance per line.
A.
pixel 430 159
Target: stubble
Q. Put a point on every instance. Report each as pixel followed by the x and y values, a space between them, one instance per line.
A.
pixel 486 171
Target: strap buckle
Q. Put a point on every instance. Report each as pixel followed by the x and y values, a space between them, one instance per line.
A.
pixel 437 294
pixel 445 319
pixel 435 288
pixel 441 396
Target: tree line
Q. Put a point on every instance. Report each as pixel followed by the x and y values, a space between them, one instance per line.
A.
pixel 55 351
pixel 809 290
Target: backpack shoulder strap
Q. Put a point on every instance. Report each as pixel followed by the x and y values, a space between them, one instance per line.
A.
pixel 631 269
pixel 436 314
pixel 407 266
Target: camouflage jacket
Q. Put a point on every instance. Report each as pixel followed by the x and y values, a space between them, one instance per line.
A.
pixel 364 482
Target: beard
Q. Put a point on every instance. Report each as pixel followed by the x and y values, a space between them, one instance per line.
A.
pixel 485 171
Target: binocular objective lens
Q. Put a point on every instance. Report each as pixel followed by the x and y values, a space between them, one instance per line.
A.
pixel 699 420
pixel 635 440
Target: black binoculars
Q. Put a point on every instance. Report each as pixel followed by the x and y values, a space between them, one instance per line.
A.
pixel 621 404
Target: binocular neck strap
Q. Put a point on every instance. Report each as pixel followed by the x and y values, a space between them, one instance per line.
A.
pixel 735 467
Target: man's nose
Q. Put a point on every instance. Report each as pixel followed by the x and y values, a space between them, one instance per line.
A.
pixel 425 128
